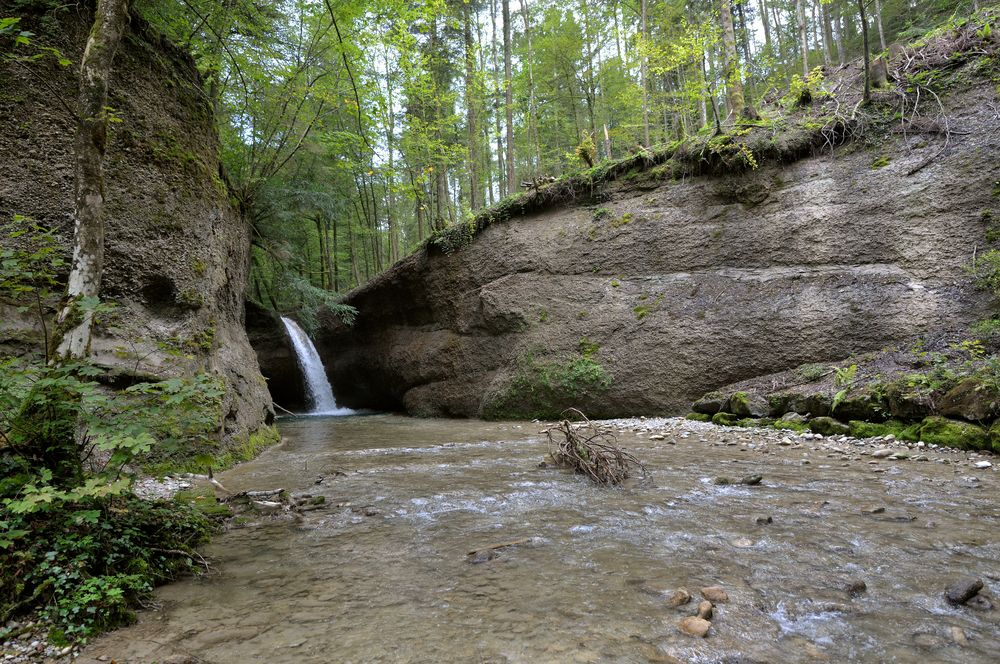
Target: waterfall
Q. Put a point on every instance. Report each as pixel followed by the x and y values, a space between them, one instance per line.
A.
pixel 317 386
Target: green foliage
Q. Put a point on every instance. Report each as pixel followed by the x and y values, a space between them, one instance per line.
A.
pixel 802 91
pixel 87 564
pixel 586 151
pixel 813 372
pixel 843 378
pixel 880 162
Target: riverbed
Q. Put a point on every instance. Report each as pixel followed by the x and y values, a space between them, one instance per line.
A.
pixel 835 556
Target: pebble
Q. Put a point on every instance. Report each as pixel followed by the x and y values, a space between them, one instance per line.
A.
pixel 983 464
pixel 962 591
pixel 882 453
pixel 705 610
pixel 680 597
pixel 694 626
pixel 856 587
pixel 958 636
pixel 715 594
pixel 764 519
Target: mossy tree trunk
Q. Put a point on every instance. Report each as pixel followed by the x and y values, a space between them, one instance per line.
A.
pixel 89 146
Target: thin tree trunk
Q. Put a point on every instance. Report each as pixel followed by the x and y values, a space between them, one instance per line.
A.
pixel 471 99
pixel 643 74
pixel 827 33
pixel 509 98
pixel 734 86
pixel 839 24
pixel 878 22
pixel 864 38
pixel 501 170
pixel 767 24
pixel 800 15
pixel 89 145
pixel 532 103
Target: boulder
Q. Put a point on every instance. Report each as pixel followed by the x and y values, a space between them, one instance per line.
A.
pixel 710 403
pixel 829 426
pixel 970 400
pixel 816 404
pixel 748 404
pixel 906 404
pixel 725 419
pixel 954 433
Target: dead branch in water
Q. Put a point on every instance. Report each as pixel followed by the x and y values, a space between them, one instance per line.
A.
pixel 591 451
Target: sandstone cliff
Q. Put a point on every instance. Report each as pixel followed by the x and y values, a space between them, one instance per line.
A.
pixel 651 289
pixel 177 249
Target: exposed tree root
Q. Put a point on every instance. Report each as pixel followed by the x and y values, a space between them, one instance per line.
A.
pixel 591 451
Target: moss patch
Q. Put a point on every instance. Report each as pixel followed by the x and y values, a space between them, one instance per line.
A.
pixel 942 431
pixel 545 388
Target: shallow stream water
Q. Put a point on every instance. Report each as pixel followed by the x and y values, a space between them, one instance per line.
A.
pixel 382 575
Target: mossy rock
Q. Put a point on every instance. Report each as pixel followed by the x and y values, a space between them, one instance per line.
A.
pixel 710 403
pixel 897 428
pixel 816 404
pixel 725 419
pixel 994 436
pixel 953 433
pixel 698 417
pixel 866 407
pixel 778 404
pixel 748 404
pixel 755 422
pixel 828 426
pixel 790 425
pixel 904 403
pixel 970 400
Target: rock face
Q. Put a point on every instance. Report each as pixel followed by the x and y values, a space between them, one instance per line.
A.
pixel 664 290
pixel 177 253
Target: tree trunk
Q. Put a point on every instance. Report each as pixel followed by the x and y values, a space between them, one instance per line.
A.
pixel 643 75
pixel 471 99
pixel 532 103
pixel 734 86
pixel 509 99
pixel 89 145
pixel 878 22
pixel 839 40
pixel 864 39
pixel 767 25
pixel 827 32
pixel 800 15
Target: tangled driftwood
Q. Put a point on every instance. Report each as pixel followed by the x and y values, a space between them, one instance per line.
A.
pixel 591 451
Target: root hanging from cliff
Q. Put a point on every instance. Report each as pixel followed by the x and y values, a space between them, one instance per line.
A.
pixel 591 451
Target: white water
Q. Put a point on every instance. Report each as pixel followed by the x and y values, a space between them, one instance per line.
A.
pixel 317 386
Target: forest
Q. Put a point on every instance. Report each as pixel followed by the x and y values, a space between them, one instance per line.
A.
pixel 353 131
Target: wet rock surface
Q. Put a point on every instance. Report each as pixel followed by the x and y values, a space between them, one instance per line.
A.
pixel 382 573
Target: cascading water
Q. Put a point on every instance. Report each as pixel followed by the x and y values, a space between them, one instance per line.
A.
pixel 317 386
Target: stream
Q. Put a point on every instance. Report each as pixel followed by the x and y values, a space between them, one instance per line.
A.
pixel 381 574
